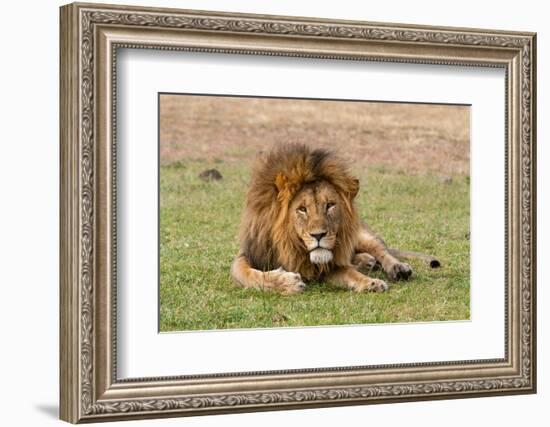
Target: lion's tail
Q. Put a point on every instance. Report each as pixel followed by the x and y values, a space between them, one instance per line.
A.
pixel 432 261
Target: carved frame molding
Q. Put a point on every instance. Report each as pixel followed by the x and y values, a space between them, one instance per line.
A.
pixel 90 37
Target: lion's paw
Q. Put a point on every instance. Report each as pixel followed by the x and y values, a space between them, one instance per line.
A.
pixel 286 282
pixel 399 271
pixel 371 285
pixel 364 260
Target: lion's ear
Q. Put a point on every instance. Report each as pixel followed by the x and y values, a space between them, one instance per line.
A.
pixel 281 182
pixel 353 187
pixel 284 188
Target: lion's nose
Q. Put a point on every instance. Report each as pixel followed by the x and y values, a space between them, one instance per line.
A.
pixel 318 236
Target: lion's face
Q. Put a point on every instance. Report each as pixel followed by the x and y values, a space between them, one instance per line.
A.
pixel 300 213
pixel 316 212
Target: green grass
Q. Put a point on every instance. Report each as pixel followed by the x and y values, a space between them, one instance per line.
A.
pixel 198 240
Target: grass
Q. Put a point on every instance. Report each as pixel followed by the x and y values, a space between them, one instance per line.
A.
pixel 198 240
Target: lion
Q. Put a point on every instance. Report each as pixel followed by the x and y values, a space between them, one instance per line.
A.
pixel 300 224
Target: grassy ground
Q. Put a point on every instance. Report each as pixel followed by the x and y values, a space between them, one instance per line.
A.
pixel 198 233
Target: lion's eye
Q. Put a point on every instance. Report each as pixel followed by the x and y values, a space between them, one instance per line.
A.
pixel 302 209
pixel 330 205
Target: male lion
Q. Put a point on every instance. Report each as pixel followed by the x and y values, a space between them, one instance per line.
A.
pixel 300 224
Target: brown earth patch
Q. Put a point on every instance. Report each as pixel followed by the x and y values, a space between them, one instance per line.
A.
pixel 411 138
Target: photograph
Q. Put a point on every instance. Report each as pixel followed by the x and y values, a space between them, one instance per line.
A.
pixel 292 212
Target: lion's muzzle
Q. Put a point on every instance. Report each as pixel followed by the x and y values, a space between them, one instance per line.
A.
pixel 320 256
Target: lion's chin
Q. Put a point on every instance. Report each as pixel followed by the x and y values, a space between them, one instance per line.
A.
pixel 320 256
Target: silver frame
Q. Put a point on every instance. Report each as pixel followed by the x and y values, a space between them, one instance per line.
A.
pixel 90 37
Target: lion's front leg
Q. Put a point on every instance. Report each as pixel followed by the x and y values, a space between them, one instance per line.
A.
pixel 350 278
pixel 370 243
pixel 279 280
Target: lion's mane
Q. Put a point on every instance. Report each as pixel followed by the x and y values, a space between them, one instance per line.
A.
pixel 267 236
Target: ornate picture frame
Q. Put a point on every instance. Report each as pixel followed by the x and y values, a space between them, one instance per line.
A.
pixel 90 37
